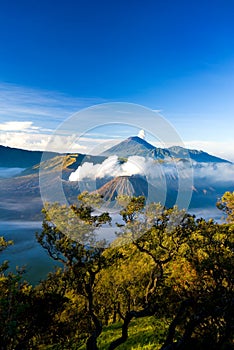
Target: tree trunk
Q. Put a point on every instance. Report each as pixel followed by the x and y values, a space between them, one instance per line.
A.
pixel 169 344
pixel 92 340
pixel 147 311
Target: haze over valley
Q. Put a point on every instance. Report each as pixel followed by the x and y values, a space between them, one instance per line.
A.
pixel 133 167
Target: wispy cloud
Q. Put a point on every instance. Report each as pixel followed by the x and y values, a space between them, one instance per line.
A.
pixel 44 107
pixel 30 116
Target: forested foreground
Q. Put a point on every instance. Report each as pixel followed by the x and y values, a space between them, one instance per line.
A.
pixel 166 282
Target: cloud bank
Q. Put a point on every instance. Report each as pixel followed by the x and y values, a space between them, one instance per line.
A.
pixel 152 169
pixel 135 165
pixel 111 167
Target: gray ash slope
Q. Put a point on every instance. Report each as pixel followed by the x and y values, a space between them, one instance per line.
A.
pixel 124 185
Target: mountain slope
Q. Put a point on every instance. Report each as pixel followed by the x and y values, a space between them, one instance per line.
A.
pixel 19 158
pixel 124 185
pixel 198 156
pixel 135 146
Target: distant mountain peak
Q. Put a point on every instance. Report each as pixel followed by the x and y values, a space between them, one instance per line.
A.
pixel 132 146
pixel 137 146
pixel 139 140
pixel 196 155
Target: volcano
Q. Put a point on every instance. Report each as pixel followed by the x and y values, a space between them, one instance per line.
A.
pixel 124 185
pixel 136 146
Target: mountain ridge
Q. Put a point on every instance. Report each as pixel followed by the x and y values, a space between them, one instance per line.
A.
pixel 132 146
pixel 196 155
pixel 135 145
pixel 21 199
pixel 21 158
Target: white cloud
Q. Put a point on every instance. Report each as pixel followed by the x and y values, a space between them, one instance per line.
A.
pixel 30 116
pixel 111 167
pixel 27 110
pixel 40 141
pixel 28 136
pixel 18 126
pixel 135 165
pixel 214 172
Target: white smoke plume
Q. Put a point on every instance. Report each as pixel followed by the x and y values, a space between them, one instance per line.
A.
pixel 141 134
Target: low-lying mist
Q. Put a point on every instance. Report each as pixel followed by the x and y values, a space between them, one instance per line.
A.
pixel 155 169
pixel 10 172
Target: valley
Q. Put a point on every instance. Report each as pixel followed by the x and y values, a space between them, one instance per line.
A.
pixel 133 167
pixel 139 169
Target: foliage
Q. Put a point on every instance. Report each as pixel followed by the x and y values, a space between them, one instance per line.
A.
pixel 166 282
pixel 227 205
pixel 72 242
pixel 3 245
pixel 203 317
pixel 27 314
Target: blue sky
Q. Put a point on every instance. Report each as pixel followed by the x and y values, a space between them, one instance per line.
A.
pixel 57 57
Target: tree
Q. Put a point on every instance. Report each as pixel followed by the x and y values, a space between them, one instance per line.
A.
pixel 121 287
pixel 226 204
pixel 190 281
pixel 3 245
pixel 158 234
pixel 72 241
pixel 204 317
pixel 27 314
pixel 164 263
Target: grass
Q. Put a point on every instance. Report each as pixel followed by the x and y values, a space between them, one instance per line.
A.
pixel 144 334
